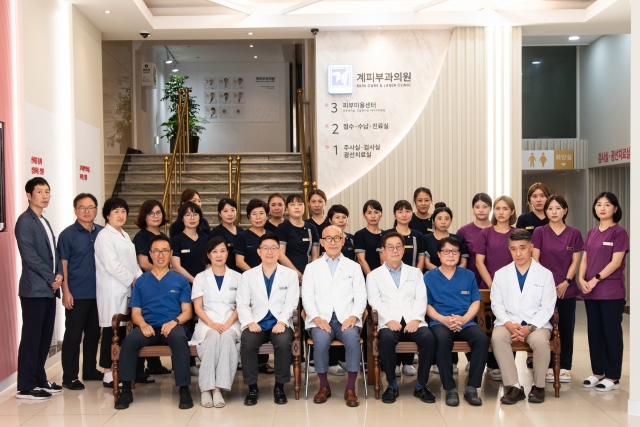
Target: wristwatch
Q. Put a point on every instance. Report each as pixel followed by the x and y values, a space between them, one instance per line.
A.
pixel 598 276
pixel 568 280
pixel 532 328
pixel 177 321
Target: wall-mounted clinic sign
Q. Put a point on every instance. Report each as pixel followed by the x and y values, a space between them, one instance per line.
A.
pixel 547 159
pixel 149 74
pixel 371 87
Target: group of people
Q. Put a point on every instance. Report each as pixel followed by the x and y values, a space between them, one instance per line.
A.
pixel 244 286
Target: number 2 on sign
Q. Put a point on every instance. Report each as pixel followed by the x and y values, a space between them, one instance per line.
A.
pixel 335 130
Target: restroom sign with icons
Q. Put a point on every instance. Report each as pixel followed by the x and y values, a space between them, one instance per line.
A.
pixel 547 159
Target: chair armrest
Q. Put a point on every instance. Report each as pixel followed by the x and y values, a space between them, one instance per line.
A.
pixel 115 324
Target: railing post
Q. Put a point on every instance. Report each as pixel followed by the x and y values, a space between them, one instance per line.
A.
pixel 305 195
pixel 166 180
pixel 314 185
pixel 237 192
pixel 230 169
pixel 303 145
pixel 186 114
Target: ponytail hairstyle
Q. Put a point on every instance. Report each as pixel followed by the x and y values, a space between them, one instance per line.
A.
pixel 439 208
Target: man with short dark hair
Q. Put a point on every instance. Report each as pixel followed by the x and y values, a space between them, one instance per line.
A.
pixel 76 248
pixel 39 286
pixel 397 292
pixel 523 297
pixel 160 306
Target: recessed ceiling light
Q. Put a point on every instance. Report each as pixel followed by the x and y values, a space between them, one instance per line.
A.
pixel 250 34
pixel 107 11
pixel 536 62
pixel 573 38
pixel 250 45
pixel 255 57
pixel 379 27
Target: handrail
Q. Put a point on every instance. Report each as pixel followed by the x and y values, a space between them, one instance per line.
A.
pixel 303 152
pixel 237 188
pixel 230 170
pixel 176 165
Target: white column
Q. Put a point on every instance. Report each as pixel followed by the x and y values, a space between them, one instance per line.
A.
pixel 634 254
pixel 504 111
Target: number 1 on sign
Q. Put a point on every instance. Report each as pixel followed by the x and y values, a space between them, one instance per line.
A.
pixel 336 147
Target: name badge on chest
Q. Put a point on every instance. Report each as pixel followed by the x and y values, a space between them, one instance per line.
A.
pixel 305 239
pixel 570 248
pixel 607 243
pixel 185 251
pixel 530 227
pixel 465 293
pixel 408 246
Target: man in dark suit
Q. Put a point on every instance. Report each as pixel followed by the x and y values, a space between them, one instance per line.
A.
pixel 39 286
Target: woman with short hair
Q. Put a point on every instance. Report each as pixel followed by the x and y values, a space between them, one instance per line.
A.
pixel 227 229
pixel 190 195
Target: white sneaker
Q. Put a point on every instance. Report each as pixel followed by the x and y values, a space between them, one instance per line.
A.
pixel 336 370
pixel 343 365
pixel 549 376
pixel 565 376
pixel 409 370
pixel 398 372
pixel 455 370
pixel 466 368
pixel 435 369
pixel 495 374
pixel 195 371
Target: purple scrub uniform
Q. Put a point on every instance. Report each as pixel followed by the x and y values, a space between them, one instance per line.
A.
pixel 600 247
pixel 556 253
pixel 470 232
pixel 495 247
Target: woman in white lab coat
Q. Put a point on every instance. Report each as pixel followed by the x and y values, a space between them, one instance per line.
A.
pixel 218 330
pixel 116 271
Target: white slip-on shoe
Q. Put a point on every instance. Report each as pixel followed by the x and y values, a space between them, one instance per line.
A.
pixel 607 385
pixel 336 370
pixel 466 368
pixel 455 369
pixel 565 376
pixel 496 374
pixel 398 371
pixel 435 369
pixel 549 376
pixel 409 370
pixel 591 382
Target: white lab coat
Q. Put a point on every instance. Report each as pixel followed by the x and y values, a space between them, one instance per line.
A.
pixel 218 304
pixel 116 269
pixel 534 305
pixel 408 301
pixel 344 292
pixel 253 303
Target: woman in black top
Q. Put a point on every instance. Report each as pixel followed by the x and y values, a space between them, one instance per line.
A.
pixel 150 218
pixel 317 202
pixel 536 198
pixel 227 213
pixel 441 218
pixel 276 212
pixel 188 246
pixel 190 195
pixel 421 218
pixel 367 240
pixel 338 215
pixel 246 249
pixel 414 244
pixel 299 243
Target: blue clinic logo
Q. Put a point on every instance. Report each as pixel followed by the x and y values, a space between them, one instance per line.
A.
pixel 340 79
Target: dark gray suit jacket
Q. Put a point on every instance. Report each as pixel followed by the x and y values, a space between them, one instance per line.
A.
pixel 37 259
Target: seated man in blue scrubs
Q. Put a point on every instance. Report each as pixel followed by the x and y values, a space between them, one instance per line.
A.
pixel 160 306
pixel 453 300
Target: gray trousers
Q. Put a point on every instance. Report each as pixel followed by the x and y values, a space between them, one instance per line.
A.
pixel 219 357
pixel 539 343
pixel 350 337
pixel 250 343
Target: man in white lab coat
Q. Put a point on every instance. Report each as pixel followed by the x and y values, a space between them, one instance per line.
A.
pixel 334 298
pixel 398 293
pixel 266 298
pixel 523 297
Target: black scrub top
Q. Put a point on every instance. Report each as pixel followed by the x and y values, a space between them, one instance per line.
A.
pixel 424 226
pixel 432 248
pixel 319 227
pixel 178 227
pixel 414 246
pixel 368 243
pixel 270 227
pixel 142 242
pixel 190 252
pixel 222 231
pixel 529 221
pixel 247 245
pixel 299 241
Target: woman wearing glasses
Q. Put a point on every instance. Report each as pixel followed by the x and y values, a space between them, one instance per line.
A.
pixel 190 195
pixel 218 330
pixel 227 213
pixel 150 218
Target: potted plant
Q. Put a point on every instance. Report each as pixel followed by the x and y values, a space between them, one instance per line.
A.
pixel 171 125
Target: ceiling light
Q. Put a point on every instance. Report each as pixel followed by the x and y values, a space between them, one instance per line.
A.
pixel 175 69
pixel 250 34
pixel 255 57
pixel 107 11
pixel 536 62
pixel 379 27
pixel 250 45
pixel 573 38
pixel 168 60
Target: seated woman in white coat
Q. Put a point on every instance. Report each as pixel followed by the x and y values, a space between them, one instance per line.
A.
pixel 266 298
pixel 218 330
pixel 523 296
pixel 334 298
pixel 116 271
pixel 397 292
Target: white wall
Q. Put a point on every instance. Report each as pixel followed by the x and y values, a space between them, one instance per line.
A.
pixel 605 95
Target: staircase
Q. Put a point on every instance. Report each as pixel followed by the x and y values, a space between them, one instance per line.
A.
pixel 261 175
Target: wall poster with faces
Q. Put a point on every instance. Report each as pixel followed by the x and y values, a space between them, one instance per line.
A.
pixel 245 97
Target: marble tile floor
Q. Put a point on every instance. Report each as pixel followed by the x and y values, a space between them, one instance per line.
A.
pixel 156 405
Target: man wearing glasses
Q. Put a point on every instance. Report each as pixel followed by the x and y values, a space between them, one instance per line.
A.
pixel 397 292
pixel 334 298
pixel 160 306
pixel 76 249
pixel 265 302
pixel 454 300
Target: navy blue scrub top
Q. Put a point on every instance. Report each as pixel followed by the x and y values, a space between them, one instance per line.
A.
pixel 368 243
pixel 432 248
pixel 247 246
pixel 222 231
pixel 299 241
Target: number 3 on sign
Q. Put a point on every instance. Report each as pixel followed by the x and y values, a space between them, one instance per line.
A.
pixel 335 107
pixel 335 129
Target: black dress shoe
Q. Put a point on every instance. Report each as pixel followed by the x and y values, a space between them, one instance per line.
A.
pixel 145 379
pixel 390 395
pixel 425 395
pixel 452 399
pixel 252 397
pixel 160 370
pixel 107 384
pixel 93 376
pixel 125 398
pixel 536 395
pixel 513 395
pixel 530 362
pixel 73 385
pixel 186 401
pixel 278 396
pixel 473 398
